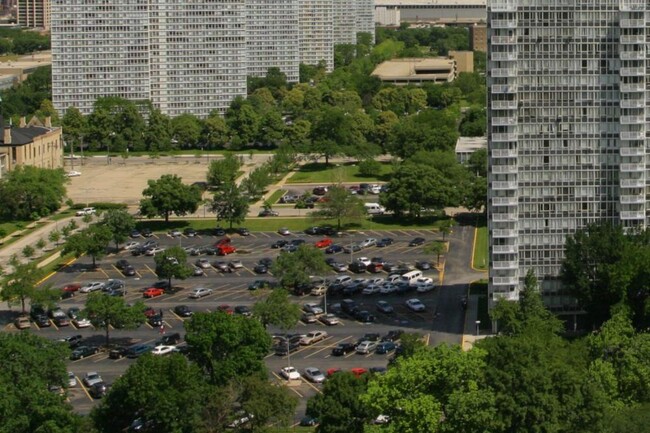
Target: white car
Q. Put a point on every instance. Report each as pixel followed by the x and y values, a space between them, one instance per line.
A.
pixel 153 251
pixel 388 288
pixel 318 290
pixel 91 378
pixel 314 375
pixel 313 337
pixel 374 189
pixel 365 260
pixel 371 289
pixel 203 263
pixel 86 211
pixel 415 305
pixel 92 287
pixel 81 323
pixel 423 280
pixel 163 350
pixel 366 347
pixel 290 373
pixel 427 287
pixel 131 245
pixel 72 379
pixel 329 319
pixel 200 292
pixel 284 231
pixel 393 278
pixel 312 307
pixel 73 173
pixel 368 242
pixel 376 280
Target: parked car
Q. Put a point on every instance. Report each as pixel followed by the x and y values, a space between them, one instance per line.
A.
pixel 313 337
pixel 197 272
pixel 98 390
pixel 243 310
pixel 81 322
pixel 86 211
pixel 333 249
pixel 314 375
pixel 267 213
pixel 290 373
pixel 416 242
pixel 235 264
pixel 415 305
pixel 183 311
pixel 323 243
pixel 202 263
pixel 339 267
pixel 260 269
pixel 423 265
pixel 163 350
pixel 364 316
pixel 384 242
pixel 128 271
pixel 393 335
pixel 366 347
pixel 92 286
pixel 153 292
pixel 118 352
pixel 153 251
pixel 22 322
pixel 368 242
pixel 385 307
pixel 81 352
pixel 284 231
pixel 242 231
pixel 200 292
pixel 343 349
pixel 189 232
pixel 308 318
pixel 174 233
pixel 352 248
pixel 329 319
pixel 91 378
pixel 72 287
pixel 313 308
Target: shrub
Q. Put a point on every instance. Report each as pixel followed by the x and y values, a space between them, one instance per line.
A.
pixel 369 168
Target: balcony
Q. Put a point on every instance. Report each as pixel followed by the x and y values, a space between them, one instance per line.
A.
pixel 505 265
pixel 632 151
pixel 503 6
pixel 632 120
pixel 506 296
pixel 505 249
pixel 505 24
pixel 633 199
pixel 504 281
pixel 503 40
pixel 632 72
pixel 503 88
pixel 630 168
pixel 505 185
pixel 632 183
pixel 504 233
pixel 504 153
pixel 632 135
pixel 632 215
pixel 504 105
pixel 503 217
pixel 504 137
pixel 504 121
pixel 633 87
pixel 504 72
pixel 632 55
pixel 632 39
pixel 505 201
pixel 505 169
pixel 503 57
pixel 632 103
pixel 631 5
pixel 629 24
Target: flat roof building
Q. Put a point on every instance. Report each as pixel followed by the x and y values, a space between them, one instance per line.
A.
pixel 394 12
pixel 416 71
pixel 466 146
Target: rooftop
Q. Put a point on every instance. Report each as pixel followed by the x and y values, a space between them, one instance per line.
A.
pixel 470 144
pixel 417 69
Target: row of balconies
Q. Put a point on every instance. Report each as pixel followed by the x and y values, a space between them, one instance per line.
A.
pixel 505 249
pixel 632 183
pixel 632 135
pixel 504 136
pixel 505 281
pixel 632 215
pixel 504 153
pixel 503 24
pixel 502 185
pixel 504 121
pixel 632 39
pixel 632 55
pixel 505 201
pixel 628 168
pixel 504 169
pixel 632 87
pixel 504 233
pixel 505 264
pixel 632 103
pixel 632 120
pixel 504 88
pixel 504 72
pixel 628 23
pixel 503 6
pixel 503 40
pixel 504 105
pixel 633 199
pixel 632 72
pixel 632 151
pixel 501 57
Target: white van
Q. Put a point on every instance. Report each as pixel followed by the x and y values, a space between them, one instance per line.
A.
pixel 374 209
pixel 412 277
pixel 342 280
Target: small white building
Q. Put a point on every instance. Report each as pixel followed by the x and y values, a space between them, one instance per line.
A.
pixel 465 146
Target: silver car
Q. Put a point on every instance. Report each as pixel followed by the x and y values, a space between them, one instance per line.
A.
pixel 314 375
pixel 366 347
pixel 369 242
pixel 200 292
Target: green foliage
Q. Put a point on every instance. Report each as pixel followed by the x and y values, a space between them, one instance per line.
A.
pixel 429 130
pixel 223 171
pixel 474 123
pixel 28 251
pixel 230 204
pixel 215 131
pixel 74 125
pixel 30 365
pixel 93 241
pixel 269 404
pixel 186 130
pixel 115 123
pixel 274 80
pixel 293 269
pixel 54 236
pixel 369 168
pixel 227 346
pixel 168 390
pixel 435 248
pixel 169 195
pixel 256 182
pixel 21 283
pixel 27 192
pixel 26 97
pixel 172 263
pixel 277 309
pixel 120 223
pixel 339 408
pixel 341 206
pixel 107 312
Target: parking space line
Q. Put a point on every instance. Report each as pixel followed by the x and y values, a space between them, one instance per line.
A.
pixel 311 385
pixel 403 233
pixel 101 359
pixel 150 270
pixel 328 346
pixel 264 234
pixel 103 272
pixel 167 324
pixel 85 390
pixel 252 273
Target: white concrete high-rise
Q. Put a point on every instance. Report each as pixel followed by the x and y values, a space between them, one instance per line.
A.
pixel 567 114
pixel 365 17
pixel 317 32
pixel 344 22
pixel 273 37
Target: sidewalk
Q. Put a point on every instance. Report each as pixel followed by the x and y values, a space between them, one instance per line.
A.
pixel 469 329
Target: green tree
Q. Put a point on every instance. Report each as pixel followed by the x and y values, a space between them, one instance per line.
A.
pixel 446 228
pixel 28 251
pixel 269 404
pixel 40 244
pixel 478 162
pixel 28 192
pixel 227 346
pixel 369 168
pixel 30 366
pixel 157 134
pixel 186 129
pixel 167 390
pixel 172 263
pixel 223 171
pixel 277 309
pixel 74 127
pixel 293 269
pixel 120 223
pixel 107 312
pixel 215 131
pixel 54 236
pixel 256 182
pixel 169 195
pixel 341 206
pixel 230 204
pixel 435 248
pixel 339 408
pixel 93 241
pixel 21 283
pixel 244 123
pixel 272 128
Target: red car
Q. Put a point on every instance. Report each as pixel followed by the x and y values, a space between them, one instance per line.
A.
pixel 226 309
pixel 149 312
pixel 152 292
pixel 323 243
pixel 358 371
pixel 224 247
pixel 332 371
pixel 71 287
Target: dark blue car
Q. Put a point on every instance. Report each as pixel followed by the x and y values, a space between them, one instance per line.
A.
pixel 385 347
pixel 333 249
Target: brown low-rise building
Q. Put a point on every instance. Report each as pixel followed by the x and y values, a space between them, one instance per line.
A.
pixel 35 144
pixel 416 71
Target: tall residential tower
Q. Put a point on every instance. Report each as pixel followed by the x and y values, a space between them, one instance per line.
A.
pixel 566 129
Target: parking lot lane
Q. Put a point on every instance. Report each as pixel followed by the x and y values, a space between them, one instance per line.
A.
pixel 264 234
pixel 329 346
pixel 311 385
pixel 83 387
pixel 151 270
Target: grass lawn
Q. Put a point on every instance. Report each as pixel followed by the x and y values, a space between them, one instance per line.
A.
pixel 320 173
pixel 273 198
pixel 10 57
pixel 61 215
pixel 294 224
pixel 481 249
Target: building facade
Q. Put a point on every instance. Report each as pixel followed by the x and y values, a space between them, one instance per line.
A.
pixel 394 12
pixel 317 33
pixel 365 17
pixel 35 144
pixel 34 14
pixel 273 37
pixel 344 22
pixel 566 129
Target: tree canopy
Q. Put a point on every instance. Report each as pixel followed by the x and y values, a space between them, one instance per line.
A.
pixel 169 195
pixel 107 312
pixel 30 192
pixel 293 269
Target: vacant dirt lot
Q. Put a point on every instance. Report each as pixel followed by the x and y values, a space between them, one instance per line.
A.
pixel 123 180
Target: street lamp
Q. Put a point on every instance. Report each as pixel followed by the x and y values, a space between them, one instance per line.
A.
pixel 478 323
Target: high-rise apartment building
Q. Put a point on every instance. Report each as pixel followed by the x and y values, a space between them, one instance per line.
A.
pixel 273 37
pixel 317 33
pixel 344 22
pixel 566 129
pixel 34 14
pixel 365 17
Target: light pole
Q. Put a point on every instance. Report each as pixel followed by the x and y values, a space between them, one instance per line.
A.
pixel 327 287
pixel 478 323
pixel 108 155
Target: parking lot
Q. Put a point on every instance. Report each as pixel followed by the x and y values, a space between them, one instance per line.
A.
pixel 232 289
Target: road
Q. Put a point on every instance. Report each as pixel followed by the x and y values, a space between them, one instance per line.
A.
pixel 441 322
